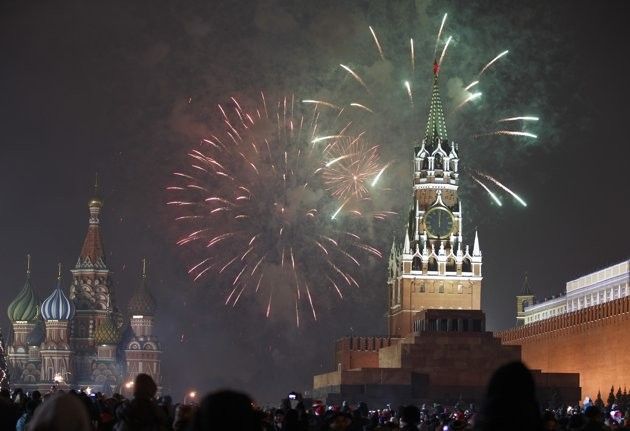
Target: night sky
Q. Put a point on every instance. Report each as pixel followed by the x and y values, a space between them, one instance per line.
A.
pixel 127 88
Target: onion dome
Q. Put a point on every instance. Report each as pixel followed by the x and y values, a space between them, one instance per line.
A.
pixel 96 200
pixel 57 306
pixel 142 302
pixel 24 306
pixel 107 333
pixel 37 335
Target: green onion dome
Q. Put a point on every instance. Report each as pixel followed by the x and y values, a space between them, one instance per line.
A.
pixel 25 306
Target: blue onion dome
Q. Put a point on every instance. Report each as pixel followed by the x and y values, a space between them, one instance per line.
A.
pixel 25 306
pixel 142 302
pixel 37 335
pixel 107 333
pixel 57 306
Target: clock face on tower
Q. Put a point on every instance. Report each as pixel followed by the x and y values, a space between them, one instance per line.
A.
pixel 439 222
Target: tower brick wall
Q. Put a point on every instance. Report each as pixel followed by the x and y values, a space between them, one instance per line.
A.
pixel 591 341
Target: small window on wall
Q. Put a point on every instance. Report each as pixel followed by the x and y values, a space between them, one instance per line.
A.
pixel 441 289
pixel 422 288
pixel 460 288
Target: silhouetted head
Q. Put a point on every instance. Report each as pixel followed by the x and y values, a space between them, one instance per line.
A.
pixel 61 412
pixel 144 386
pixel 225 410
pixel 410 415
pixel 510 401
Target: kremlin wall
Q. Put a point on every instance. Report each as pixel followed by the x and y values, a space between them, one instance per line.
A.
pixel 588 335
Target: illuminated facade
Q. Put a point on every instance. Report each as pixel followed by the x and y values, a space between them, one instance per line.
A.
pixel 434 269
pixel 81 339
pixel 592 289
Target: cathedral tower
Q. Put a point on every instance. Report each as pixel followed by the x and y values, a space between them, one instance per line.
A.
pixel 143 351
pixel 434 269
pixel 57 311
pixel 91 292
pixel 23 313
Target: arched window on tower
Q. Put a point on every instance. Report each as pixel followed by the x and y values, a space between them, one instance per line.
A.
pixel 416 264
pixel 451 265
pixel 425 163
pixel 466 265
pixel 433 265
pixel 438 162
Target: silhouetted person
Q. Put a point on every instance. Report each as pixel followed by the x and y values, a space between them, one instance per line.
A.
pixel 594 419
pixel 226 410
pixel 61 412
pixel 510 402
pixel 142 413
pixel 410 416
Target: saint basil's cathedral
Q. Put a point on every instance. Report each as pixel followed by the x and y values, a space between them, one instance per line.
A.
pixel 80 337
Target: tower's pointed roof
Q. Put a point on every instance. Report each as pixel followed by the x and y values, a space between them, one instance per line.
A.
pixel 93 253
pixel 436 124
pixel 25 305
pixel 476 248
pixel 525 290
pixel 142 302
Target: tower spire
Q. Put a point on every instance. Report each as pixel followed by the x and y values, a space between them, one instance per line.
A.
pixel 92 252
pixel 28 265
pixel 436 125
pixel 144 268
pixel 525 290
pixel 476 249
pixel 59 271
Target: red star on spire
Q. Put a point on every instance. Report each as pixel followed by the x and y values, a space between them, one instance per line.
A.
pixel 436 68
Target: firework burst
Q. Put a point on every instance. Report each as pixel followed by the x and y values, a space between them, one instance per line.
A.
pixel 254 207
pixel 384 94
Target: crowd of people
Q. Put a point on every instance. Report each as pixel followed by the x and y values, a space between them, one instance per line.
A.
pixel 510 404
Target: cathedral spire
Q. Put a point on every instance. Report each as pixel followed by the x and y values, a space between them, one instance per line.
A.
pixel 436 125
pixel 92 252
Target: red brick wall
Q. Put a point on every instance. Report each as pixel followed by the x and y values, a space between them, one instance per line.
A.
pixel 359 352
pixel 592 341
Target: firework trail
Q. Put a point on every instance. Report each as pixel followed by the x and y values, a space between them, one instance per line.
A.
pixel 355 76
pixel 523 118
pixel 495 181
pixel 409 92
pixel 490 193
pixel 448 41
pixel 439 35
pixel 378 45
pixel 508 133
pixel 471 85
pixel 254 208
pixel 470 98
pixel 493 61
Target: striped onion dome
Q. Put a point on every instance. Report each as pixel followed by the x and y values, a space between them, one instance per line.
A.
pixel 57 306
pixel 24 306
pixel 107 333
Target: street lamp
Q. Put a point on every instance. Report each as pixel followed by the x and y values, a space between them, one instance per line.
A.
pixel 191 394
